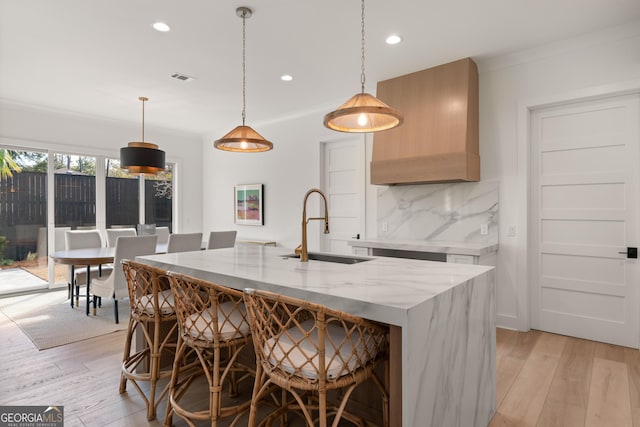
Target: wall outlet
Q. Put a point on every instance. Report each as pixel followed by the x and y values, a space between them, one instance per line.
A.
pixel 511 232
pixel 385 227
pixel 484 229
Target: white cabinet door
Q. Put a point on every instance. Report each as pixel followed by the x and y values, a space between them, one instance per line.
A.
pixel 584 197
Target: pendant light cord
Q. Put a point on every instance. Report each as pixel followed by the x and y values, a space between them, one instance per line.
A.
pixel 362 78
pixel 143 99
pixel 244 67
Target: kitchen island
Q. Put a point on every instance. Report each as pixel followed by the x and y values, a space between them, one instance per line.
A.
pixel 441 318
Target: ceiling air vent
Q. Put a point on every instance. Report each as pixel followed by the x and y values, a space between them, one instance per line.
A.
pixel 182 77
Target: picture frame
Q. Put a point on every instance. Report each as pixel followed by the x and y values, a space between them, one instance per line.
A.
pixel 248 204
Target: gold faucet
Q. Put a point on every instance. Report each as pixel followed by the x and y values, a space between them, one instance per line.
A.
pixel 302 248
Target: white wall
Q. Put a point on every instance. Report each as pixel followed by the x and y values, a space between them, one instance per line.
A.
pixel 44 129
pixel 507 82
pixel 564 70
pixel 287 172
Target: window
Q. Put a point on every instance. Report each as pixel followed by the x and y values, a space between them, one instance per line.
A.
pixel 158 195
pixel 75 191
pixel 122 193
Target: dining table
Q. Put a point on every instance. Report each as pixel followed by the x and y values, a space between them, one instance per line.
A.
pixel 90 257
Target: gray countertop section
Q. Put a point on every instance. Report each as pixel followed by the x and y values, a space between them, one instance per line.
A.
pixel 458 248
pixel 382 289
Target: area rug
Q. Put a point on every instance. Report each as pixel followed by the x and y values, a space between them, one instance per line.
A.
pixel 49 321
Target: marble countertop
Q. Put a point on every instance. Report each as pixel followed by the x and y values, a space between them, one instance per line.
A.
pixel 383 289
pixel 459 248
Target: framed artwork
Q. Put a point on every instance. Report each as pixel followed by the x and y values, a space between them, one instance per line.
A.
pixel 248 204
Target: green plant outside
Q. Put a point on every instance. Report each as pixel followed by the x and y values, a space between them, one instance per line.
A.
pixel 3 244
pixel 7 164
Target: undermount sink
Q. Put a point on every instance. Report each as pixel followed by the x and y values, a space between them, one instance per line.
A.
pixel 342 259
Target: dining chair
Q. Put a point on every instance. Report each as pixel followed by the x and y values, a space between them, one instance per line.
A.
pixel 308 350
pixel 222 239
pixel 146 229
pixel 213 331
pixel 184 242
pixel 115 285
pixel 83 239
pixel 163 235
pixel 114 233
pixel 59 237
pixel 153 322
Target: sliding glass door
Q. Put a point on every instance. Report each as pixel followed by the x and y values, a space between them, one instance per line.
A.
pixel 88 192
pixel 23 219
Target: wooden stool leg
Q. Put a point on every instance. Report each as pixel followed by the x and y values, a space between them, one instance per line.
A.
pixel 180 350
pixel 154 372
pixel 126 354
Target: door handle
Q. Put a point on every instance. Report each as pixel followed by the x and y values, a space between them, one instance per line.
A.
pixel 630 252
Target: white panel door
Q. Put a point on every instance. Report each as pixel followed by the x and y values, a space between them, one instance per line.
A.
pixel 343 184
pixel 584 193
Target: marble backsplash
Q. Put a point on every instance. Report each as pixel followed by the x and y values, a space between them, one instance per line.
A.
pixel 451 212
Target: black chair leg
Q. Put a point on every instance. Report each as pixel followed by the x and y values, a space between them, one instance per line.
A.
pixel 115 310
pixel 71 284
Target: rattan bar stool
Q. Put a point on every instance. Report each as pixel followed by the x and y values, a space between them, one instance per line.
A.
pixel 308 349
pixel 152 312
pixel 213 329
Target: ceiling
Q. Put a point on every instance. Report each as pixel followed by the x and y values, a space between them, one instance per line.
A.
pixel 96 58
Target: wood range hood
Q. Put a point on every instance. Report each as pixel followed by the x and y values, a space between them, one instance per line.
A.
pixel 438 141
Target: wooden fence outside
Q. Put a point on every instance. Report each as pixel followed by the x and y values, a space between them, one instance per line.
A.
pixel 23 206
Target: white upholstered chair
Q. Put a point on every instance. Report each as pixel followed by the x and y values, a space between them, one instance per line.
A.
pixel 114 233
pixel 83 239
pixel 222 239
pixel 146 229
pixel 184 242
pixel 115 286
pixel 163 235
pixel 59 236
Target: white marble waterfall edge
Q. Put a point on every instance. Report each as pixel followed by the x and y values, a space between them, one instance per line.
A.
pixel 452 360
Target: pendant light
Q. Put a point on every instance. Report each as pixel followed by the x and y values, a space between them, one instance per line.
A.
pixel 243 138
pixel 363 112
pixel 142 157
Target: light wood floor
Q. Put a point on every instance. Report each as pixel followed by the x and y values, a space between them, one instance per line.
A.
pixel 552 380
pixel 542 380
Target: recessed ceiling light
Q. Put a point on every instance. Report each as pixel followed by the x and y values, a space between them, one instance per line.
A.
pixel 393 39
pixel 286 78
pixel 161 26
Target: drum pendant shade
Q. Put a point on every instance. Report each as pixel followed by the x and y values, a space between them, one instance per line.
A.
pixel 142 157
